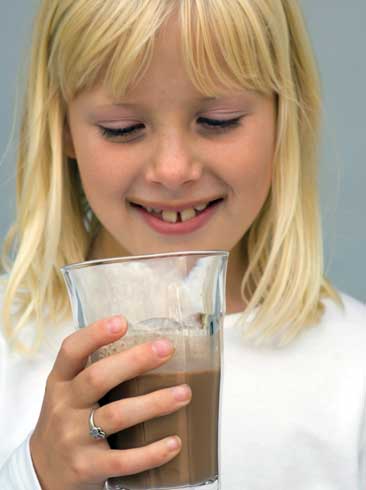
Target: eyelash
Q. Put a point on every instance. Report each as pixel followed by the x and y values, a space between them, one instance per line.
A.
pixel 214 125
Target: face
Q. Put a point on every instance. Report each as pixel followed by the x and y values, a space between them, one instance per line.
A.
pixel 168 148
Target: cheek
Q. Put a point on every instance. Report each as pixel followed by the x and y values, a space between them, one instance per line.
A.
pixel 100 185
pixel 246 166
pixel 255 163
pixel 255 174
pixel 104 172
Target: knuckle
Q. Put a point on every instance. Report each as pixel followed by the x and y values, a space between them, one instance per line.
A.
pixel 53 411
pixel 140 356
pixel 57 415
pixel 62 426
pixel 113 415
pixel 67 440
pixel 94 376
pixel 163 403
pixel 54 390
pixel 159 455
pixel 117 466
pixel 66 348
pixel 79 468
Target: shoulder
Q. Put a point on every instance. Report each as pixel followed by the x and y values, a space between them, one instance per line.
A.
pixel 3 286
pixel 343 327
pixel 42 339
pixel 5 348
pixel 351 314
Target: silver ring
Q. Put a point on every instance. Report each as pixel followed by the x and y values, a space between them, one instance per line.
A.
pixel 94 431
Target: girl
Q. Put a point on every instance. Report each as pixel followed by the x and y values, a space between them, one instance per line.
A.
pixel 139 116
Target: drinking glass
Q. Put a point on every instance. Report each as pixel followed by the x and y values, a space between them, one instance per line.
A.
pixel 179 296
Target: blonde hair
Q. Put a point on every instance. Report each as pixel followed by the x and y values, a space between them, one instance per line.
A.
pixel 258 44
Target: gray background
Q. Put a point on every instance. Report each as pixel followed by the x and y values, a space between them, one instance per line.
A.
pixel 339 39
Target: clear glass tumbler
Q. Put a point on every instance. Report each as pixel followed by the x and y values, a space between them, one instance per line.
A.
pixel 180 296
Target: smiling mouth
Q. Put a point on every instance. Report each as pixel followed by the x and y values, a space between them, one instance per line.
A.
pixel 170 216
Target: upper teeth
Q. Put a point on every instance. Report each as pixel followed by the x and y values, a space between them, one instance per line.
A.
pixel 201 207
pixel 187 214
pixel 172 216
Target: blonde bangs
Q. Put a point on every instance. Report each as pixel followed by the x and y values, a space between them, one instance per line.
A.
pixel 109 42
pixel 229 48
pixel 113 44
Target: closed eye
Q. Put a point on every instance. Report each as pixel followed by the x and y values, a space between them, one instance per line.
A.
pixel 219 123
pixel 121 132
pixel 127 134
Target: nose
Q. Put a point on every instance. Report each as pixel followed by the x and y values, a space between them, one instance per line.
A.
pixel 173 162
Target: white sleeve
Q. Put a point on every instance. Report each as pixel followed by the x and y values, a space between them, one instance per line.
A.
pixel 362 439
pixel 18 472
pixel 362 448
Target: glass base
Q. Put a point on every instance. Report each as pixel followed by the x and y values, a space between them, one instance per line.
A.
pixel 209 485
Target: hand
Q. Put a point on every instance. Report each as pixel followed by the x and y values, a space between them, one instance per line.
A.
pixel 64 455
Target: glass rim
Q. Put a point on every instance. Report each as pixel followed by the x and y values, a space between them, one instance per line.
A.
pixel 132 258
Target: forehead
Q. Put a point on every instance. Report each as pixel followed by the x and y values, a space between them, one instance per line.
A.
pixel 167 70
pixel 166 63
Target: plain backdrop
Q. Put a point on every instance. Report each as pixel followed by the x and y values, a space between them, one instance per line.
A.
pixel 339 39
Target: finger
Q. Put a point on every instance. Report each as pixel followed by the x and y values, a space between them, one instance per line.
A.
pixel 77 347
pixel 97 379
pixel 112 463
pixel 120 415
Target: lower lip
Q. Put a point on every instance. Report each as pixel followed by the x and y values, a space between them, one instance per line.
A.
pixel 179 228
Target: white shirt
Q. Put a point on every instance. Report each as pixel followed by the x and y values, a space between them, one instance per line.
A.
pixel 293 418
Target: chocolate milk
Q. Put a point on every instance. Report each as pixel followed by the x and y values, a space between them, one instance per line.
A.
pixel 195 424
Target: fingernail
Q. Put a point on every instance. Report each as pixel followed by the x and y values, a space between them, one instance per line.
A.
pixel 182 393
pixel 162 347
pixel 173 443
pixel 115 324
